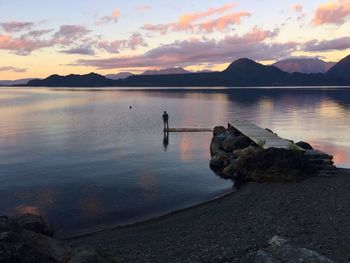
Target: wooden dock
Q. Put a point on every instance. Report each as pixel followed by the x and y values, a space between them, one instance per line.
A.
pixel 188 130
pixel 259 135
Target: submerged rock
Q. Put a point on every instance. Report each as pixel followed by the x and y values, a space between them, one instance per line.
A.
pixel 83 255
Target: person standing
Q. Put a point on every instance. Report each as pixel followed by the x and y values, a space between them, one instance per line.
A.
pixel 165 118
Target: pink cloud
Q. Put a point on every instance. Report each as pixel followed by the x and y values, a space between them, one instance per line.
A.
pixel 134 41
pixel 223 22
pixel 143 8
pixel 199 51
pixel 16 26
pixel 114 17
pixel 297 8
pixel 191 22
pixel 332 13
pixel 22 45
pixel 13 69
pixel 327 45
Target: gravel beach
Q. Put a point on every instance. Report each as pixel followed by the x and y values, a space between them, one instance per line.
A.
pixel 314 213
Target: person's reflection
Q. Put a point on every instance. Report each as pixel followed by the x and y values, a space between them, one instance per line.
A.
pixel 166 140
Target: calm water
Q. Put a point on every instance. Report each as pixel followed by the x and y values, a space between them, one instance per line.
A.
pixel 87 161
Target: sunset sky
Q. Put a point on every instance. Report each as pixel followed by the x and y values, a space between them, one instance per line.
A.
pixel 39 38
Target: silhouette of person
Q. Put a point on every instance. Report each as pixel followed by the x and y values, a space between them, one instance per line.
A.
pixel 165 118
pixel 166 140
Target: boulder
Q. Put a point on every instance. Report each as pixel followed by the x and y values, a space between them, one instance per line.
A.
pixel 227 172
pixel 22 246
pixel 220 159
pixel 304 145
pixel 235 143
pixel 285 251
pixel 215 145
pixel 219 130
pixel 32 222
pixel 273 165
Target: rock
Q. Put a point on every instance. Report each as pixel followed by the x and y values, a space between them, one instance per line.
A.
pixel 246 152
pixel 281 250
pixel 235 143
pixel 218 160
pixel 219 130
pixel 228 171
pixel 23 246
pixel 215 163
pixel 32 222
pixel 267 129
pixel 304 145
pixel 215 145
pixel 273 165
pixel 3 220
pixel 90 256
pixel 260 257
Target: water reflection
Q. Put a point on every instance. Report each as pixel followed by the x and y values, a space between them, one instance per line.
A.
pixel 86 154
pixel 166 140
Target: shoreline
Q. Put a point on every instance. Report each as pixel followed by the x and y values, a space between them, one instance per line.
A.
pixel 314 213
pixel 153 219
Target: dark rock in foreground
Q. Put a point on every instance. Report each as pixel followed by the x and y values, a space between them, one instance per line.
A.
pixel 27 239
pixel 281 250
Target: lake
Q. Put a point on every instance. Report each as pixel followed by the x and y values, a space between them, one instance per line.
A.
pixel 87 161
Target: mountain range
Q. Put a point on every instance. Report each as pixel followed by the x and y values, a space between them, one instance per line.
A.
pixel 242 72
pixel 304 65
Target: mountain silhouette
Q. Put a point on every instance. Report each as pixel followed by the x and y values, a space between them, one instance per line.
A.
pixel 241 73
pixel 341 69
pixel 88 80
pixel 304 65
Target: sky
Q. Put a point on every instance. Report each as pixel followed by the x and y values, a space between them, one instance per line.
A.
pixel 39 38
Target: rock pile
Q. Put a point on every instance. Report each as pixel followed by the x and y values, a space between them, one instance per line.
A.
pixel 236 156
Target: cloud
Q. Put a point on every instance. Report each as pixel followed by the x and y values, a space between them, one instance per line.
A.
pixel 115 46
pixel 82 50
pixel 191 21
pixel 198 51
pixel 327 45
pixel 223 22
pixel 332 13
pixel 16 26
pixel 297 8
pixel 69 33
pixel 143 8
pixel 109 19
pixel 22 45
pixel 13 69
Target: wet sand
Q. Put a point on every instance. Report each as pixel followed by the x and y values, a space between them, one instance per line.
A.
pixel 314 213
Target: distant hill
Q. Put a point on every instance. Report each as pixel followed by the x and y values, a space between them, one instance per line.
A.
pixel 167 71
pixel 14 82
pixel 304 65
pixel 341 69
pixel 88 80
pixel 241 73
pixel 120 75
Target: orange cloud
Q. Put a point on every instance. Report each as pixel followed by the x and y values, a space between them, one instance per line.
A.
pixel 223 22
pixel 332 13
pixel 187 19
pixel 187 22
pixel 297 8
pixel 116 13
